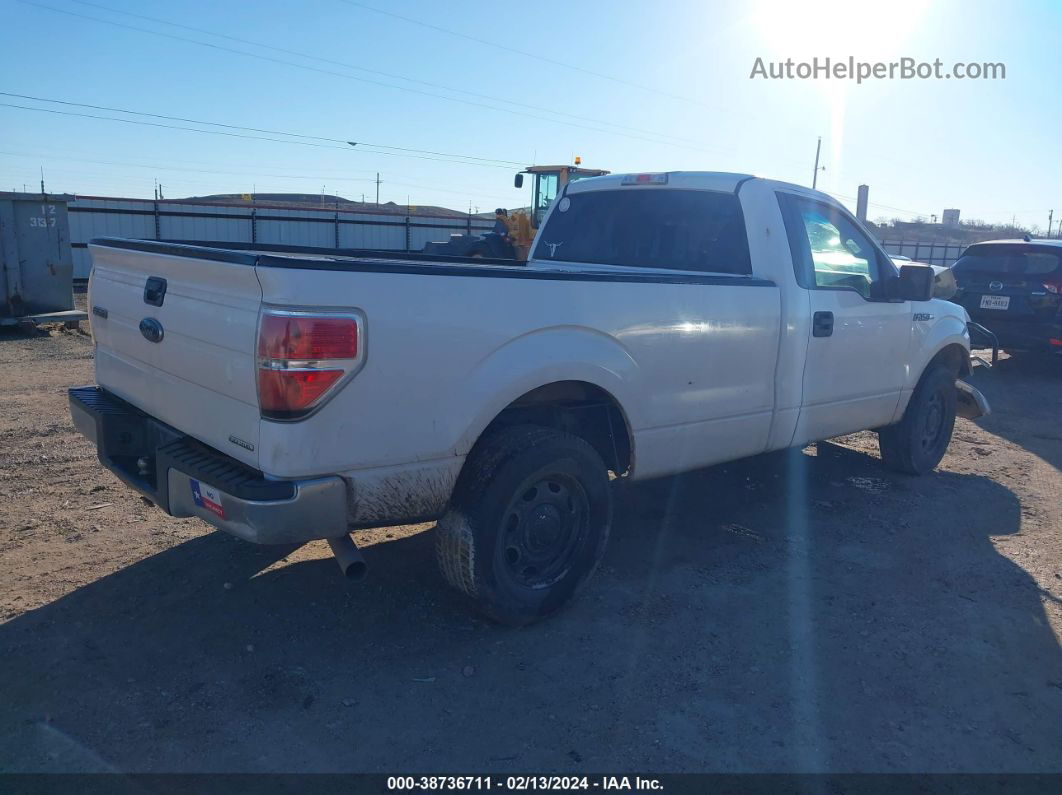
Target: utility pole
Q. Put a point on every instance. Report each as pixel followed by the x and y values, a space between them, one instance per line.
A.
pixel 377 188
pixel 815 174
pixel 42 181
pixel 1050 220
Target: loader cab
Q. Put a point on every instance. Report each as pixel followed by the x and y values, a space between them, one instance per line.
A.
pixel 548 182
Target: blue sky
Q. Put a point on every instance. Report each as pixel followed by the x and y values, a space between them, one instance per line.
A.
pixel 631 86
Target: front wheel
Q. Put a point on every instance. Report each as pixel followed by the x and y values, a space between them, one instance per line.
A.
pixel 917 443
pixel 528 523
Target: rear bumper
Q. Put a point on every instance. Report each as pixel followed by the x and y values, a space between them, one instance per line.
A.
pixel 187 478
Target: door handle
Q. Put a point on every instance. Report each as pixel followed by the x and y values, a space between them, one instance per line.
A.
pixel 155 291
pixel 822 324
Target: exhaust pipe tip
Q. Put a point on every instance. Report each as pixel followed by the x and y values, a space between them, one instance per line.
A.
pixel 355 570
pixel 349 557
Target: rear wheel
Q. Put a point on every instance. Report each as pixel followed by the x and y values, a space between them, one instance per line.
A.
pixel 528 523
pixel 917 443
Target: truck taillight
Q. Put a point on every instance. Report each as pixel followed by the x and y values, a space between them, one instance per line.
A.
pixel 303 357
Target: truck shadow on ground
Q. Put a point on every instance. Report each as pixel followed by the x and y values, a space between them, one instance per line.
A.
pixel 788 612
pixel 1028 386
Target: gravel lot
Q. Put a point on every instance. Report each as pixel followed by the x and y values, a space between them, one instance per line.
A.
pixel 790 612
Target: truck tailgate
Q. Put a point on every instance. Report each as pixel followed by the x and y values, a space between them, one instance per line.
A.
pixel 199 377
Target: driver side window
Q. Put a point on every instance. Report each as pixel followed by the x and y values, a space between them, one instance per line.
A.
pixel 829 249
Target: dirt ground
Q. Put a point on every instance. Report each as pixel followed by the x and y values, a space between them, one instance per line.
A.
pixel 789 612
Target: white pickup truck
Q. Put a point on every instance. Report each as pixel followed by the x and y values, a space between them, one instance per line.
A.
pixel 664 322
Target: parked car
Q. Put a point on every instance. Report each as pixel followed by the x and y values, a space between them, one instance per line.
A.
pixel 664 322
pixel 944 285
pixel 1015 288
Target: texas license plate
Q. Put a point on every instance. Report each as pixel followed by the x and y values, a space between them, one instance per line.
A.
pixel 995 302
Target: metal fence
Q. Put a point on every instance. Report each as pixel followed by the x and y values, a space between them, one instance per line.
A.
pixel 933 253
pixel 92 217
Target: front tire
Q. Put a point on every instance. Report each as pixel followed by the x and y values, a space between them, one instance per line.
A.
pixel 528 523
pixel 917 443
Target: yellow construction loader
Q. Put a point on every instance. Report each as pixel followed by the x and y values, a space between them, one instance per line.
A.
pixel 521 225
pixel 548 183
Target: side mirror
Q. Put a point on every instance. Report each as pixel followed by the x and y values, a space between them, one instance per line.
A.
pixel 915 283
pixel 519 181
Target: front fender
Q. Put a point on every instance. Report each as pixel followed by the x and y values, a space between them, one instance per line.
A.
pixel 540 357
pixel 930 337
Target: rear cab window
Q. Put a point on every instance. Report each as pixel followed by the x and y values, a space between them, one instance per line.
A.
pixel 667 228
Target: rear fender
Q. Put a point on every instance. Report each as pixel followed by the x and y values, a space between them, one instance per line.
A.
pixel 541 357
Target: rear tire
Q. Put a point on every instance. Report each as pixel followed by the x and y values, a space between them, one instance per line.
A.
pixel 917 443
pixel 528 523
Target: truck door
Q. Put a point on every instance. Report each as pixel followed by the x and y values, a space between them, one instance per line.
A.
pixel 858 348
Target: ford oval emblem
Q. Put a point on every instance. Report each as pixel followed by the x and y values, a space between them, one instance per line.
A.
pixel 995 286
pixel 151 329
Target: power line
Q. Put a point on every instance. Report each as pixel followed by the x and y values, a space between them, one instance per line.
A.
pixel 240 135
pixel 457 190
pixel 257 129
pixel 525 53
pixel 366 80
pixel 391 75
pixel 252 173
pixel 213 170
pixel 881 206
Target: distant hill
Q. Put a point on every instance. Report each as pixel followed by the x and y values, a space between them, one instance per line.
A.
pixel 965 233
pixel 317 201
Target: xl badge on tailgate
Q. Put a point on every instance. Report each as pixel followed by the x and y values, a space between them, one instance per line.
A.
pixel 207 497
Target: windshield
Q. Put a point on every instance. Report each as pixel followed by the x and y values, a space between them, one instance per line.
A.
pixel 1015 260
pixel 678 229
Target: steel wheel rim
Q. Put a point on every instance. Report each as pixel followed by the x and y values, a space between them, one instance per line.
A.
pixel 933 427
pixel 543 528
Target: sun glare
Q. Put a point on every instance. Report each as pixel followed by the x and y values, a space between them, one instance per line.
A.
pixel 837 28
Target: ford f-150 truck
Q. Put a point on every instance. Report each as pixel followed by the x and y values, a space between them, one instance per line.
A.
pixel 664 322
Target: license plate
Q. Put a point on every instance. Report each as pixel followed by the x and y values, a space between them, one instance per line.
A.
pixel 995 302
pixel 207 497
